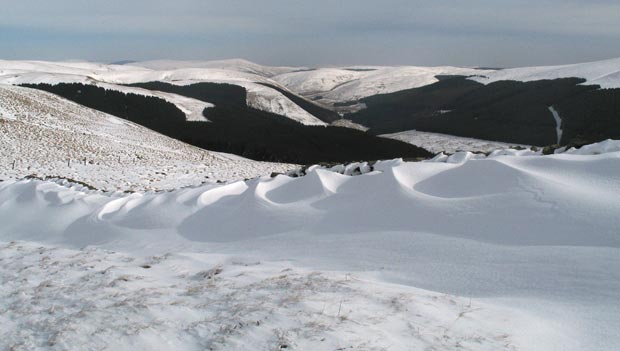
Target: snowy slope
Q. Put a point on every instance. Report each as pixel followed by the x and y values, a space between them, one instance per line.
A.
pixel 192 108
pixel 533 240
pixel 40 133
pixel 436 142
pixel 353 83
pixel 239 65
pixel 111 76
pixel 604 73
pixel 327 85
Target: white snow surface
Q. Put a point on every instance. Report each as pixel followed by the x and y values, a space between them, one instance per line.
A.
pixel 325 261
pixel 91 299
pixel 354 83
pixel 437 142
pixel 604 73
pixel 239 65
pixel 603 147
pixel 44 135
pixel 113 76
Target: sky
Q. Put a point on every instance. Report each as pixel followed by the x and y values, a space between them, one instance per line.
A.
pixel 484 33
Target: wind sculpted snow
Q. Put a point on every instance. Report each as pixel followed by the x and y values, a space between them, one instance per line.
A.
pixel 534 233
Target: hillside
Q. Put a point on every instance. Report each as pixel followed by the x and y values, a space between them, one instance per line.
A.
pixel 112 77
pixel 46 136
pixel 605 74
pixel 506 111
pixel 343 88
pixel 235 128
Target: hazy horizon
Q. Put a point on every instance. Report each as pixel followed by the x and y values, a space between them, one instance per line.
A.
pixel 479 33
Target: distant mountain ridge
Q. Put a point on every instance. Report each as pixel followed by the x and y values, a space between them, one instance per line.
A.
pixel 450 100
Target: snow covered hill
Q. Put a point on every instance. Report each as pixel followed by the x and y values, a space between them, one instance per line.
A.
pixel 239 65
pixel 350 84
pixel 527 244
pixel 342 87
pixel 112 77
pixel 604 73
pixel 46 136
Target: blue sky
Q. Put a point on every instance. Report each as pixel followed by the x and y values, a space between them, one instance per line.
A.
pixel 499 33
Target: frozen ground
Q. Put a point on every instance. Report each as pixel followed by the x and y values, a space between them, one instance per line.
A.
pixel 47 136
pixel 436 142
pixel 533 241
pixel 94 299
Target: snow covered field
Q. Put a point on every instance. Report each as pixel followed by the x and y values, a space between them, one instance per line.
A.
pixel 325 261
pixel 96 299
pixel 47 136
pixel 436 142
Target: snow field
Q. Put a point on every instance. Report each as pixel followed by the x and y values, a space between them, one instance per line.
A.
pixel 56 298
pixel 533 238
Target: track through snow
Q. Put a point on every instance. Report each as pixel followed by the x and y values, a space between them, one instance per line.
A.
pixel 532 239
pixel 558 123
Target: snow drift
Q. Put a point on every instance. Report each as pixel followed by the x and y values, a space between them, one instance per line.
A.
pixel 536 234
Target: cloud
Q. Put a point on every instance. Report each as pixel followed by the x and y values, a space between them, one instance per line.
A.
pixel 306 32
